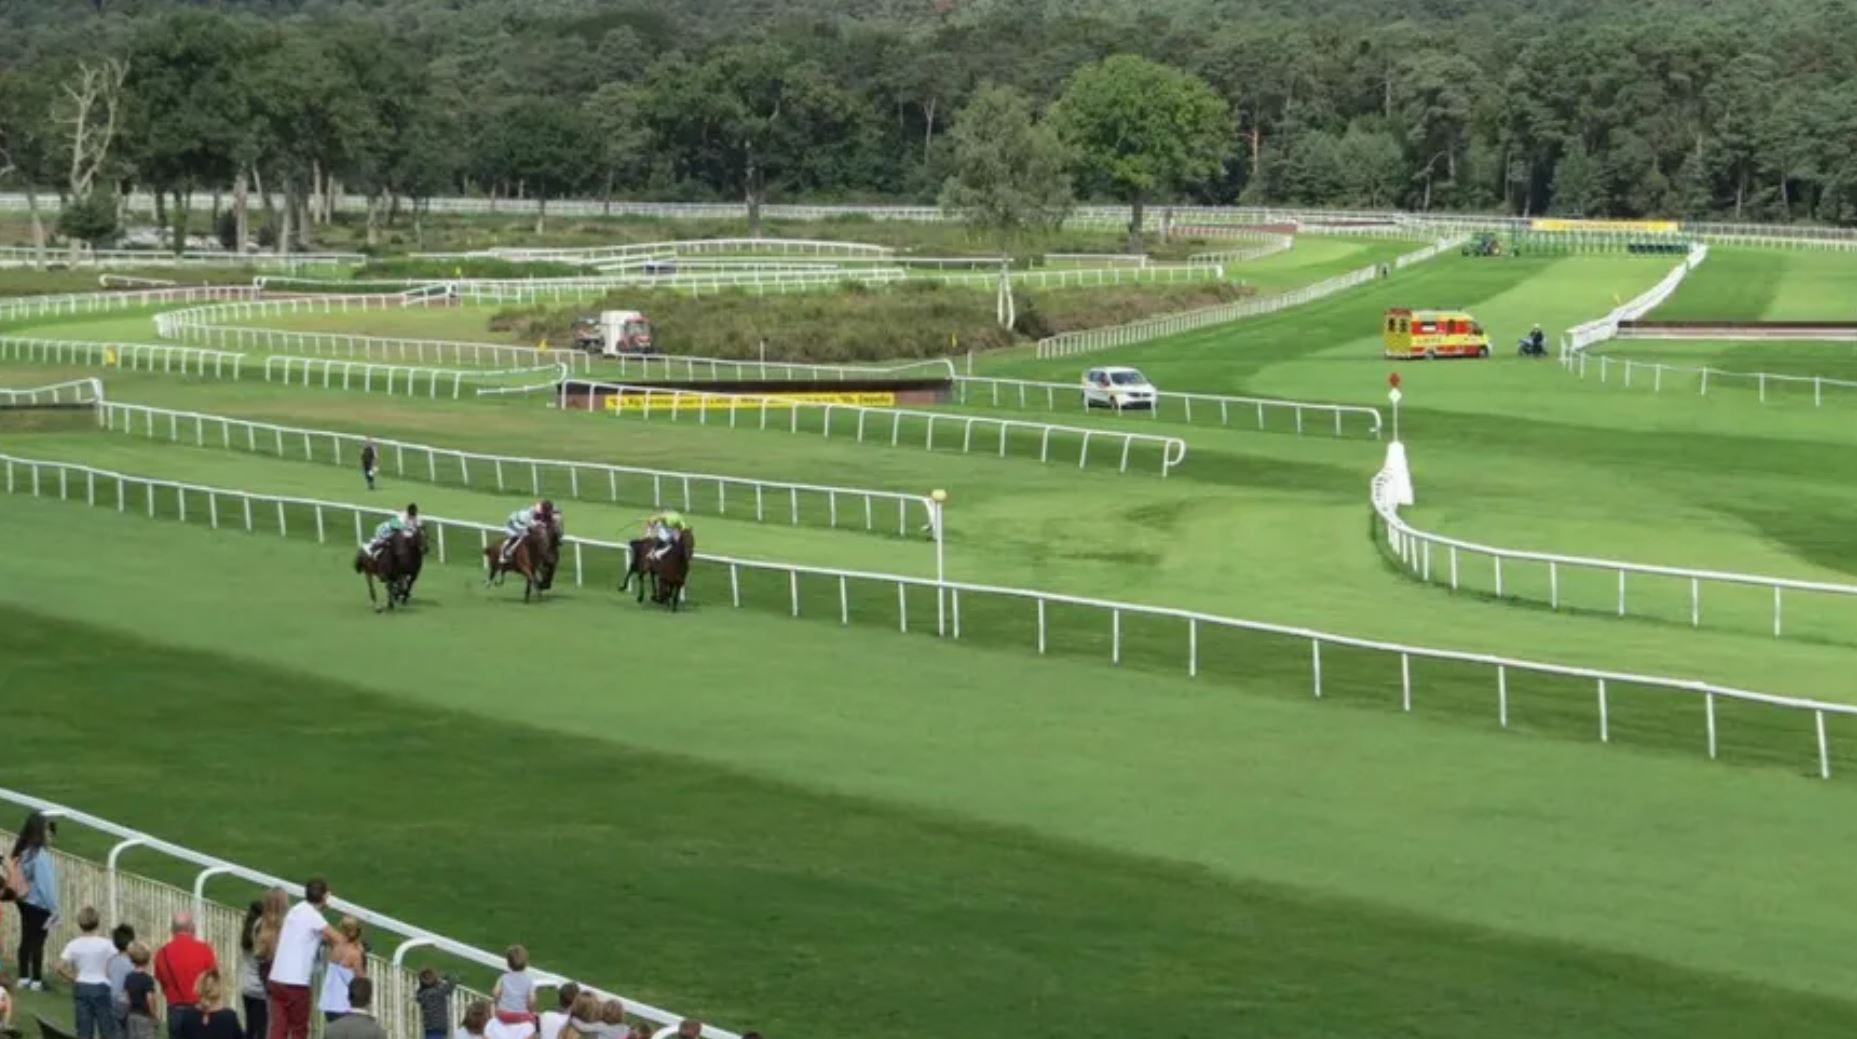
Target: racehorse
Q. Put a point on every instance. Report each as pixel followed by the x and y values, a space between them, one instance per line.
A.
pixel 397 566
pixel 535 558
pixel 668 572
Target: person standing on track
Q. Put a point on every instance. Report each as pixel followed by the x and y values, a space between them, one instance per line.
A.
pixel 369 456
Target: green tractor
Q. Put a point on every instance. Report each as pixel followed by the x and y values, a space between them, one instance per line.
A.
pixel 1484 244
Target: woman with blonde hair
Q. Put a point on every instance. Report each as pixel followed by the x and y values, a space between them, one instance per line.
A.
pixel 215 1020
pixel 347 961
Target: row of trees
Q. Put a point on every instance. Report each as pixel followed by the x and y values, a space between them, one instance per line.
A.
pixel 1740 108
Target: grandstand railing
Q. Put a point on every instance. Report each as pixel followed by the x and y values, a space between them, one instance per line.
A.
pixel 1092 339
pixel 693 492
pixel 1415 548
pixel 889 422
pixel 251 512
pixel 149 905
pixel 1026 393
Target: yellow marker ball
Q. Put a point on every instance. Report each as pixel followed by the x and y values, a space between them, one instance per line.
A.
pixel 939 495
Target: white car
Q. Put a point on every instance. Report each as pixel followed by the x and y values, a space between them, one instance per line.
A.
pixel 1118 388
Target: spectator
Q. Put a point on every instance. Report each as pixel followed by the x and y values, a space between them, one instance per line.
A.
pixel 434 999
pixel 32 868
pixel 359 1022
pixel 264 937
pixel 515 989
pixel 139 990
pixel 641 1031
pixel 301 937
pixel 85 963
pixel 688 1028
pixel 477 1017
pixel 6 1012
pixel 554 1020
pixel 368 457
pixel 215 1020
pixel 178 967
pixel 252 971
pixel 121 936
pixel 583 1018
pixel 612 1021
pixel 347 962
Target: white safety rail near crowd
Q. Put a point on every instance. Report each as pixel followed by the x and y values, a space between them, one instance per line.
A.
pixel 1027 393
pixel 1415 550
pixel 165 358
pixel 856 421
pixel 401 379
pixel 1090 340
pixel 833 506
pixel 241 510
pixel 76 392
pixel 149 905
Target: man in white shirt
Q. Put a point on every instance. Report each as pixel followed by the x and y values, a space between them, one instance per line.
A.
pixel 554 1020
pixel 85 963
pixel 303 935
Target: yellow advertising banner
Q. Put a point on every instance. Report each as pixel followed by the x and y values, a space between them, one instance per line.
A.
pixel 695 402
pixel 1623 226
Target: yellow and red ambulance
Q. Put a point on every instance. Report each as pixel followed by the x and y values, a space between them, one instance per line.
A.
pixel 1433 333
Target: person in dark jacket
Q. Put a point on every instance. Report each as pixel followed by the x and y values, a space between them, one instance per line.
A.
pixel 368 457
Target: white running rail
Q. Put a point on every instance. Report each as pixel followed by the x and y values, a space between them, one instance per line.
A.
pixel 1272 245
pixel 663 400
pixel 250 512
pixel 136 357
pixel 1414 549
pixel 98 302
pixel 1089 340
pixel 75 392
pixel 149 905
pixel 565 478
pixel 1576 339
pixel 1213 406
pixel 367 376
pixel 1652 373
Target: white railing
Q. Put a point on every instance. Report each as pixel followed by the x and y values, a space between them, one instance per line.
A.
pixel 136 357
pixel 21 256
pixel 1579 337
pixel 1653 374
pixel 564 478
pixel 367 376
pixel 1089 340
pixel 677 247
pixel 250 512
pixel 1026 393
pixel 97 302
pixel 149 906
pixel 1086 277
pixel 1414 549
pixel 759 282
pixel 1097 259
pixel 713 368
pixel 890 421
pixel 384 348
pixel 78 392
pixel 1272 245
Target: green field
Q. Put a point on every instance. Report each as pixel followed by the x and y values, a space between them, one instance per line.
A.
pixel 803 827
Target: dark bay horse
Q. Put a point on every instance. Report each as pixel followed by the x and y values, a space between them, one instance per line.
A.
pixel 397 567
pixel 535 559
pixel 667 572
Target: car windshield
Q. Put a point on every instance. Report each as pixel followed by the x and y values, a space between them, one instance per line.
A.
pixel 1127 379
pixel 636 328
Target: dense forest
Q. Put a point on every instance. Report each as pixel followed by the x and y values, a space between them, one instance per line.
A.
pixel 1739 109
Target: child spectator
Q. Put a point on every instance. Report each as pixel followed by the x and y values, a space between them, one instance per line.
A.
pixel 85 963
pixel 434 999
pixel 554 1020
pixel 476 1019
pixel 119 967
pixel 139 994
pixel 515 989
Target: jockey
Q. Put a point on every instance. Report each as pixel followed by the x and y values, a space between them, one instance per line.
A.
pixel 538 513
pixel 394 524
pixel 665 527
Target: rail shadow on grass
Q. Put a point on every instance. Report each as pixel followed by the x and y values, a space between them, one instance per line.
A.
pixel 681 881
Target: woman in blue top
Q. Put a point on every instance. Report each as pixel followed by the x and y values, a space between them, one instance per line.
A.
pixel 38 907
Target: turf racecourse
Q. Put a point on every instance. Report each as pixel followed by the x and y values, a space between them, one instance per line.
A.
pixel 789 825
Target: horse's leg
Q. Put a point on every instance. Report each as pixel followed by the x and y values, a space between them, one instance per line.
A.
pixel 372 601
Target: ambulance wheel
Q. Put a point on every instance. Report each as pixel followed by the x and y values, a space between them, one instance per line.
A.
pixel 1483 351
pixel 1430 354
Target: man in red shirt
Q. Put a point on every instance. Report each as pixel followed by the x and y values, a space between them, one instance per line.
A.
pixel 178 967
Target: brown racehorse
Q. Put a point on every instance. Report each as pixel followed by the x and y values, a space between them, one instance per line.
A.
pixel 668 572
pixel 397 567
pixel 534 558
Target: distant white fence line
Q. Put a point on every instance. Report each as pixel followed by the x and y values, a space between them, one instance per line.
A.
pixel 692 491
pixel 1026 393
pixel 367 376
pixel 20 307
pixel 1272 245
pixel 250 512
pixel 647 399
pixel 74 392
pixel 135 357
pixel 1579 337
pixel 1654 374
pixel 1414 548
pixel 693 368
pixel 149 906
pixel 1090 340
pixel 27 256
pixel 675 248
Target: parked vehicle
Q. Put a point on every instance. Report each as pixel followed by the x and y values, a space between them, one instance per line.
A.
pixel 1118 388
pixel 1432 334
pixel 614 332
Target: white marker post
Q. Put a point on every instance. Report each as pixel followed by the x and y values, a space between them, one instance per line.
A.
pixel 938 499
